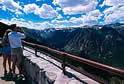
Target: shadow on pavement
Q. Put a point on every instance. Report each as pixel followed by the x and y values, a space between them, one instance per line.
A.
pixel 9 77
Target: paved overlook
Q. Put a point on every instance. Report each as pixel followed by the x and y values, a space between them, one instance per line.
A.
pixel 45 70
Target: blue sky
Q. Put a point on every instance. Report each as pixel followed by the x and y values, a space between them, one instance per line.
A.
pixel 40 14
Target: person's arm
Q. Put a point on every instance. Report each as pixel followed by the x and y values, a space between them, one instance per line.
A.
pixel 21 30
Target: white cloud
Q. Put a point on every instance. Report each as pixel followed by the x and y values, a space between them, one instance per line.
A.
pixel 32 25
pixel 115 12
pixel 38 0
pixel 1 2
pixel 20 19
pixel 68 23
pixel 60 21
pixel 4 21
pixel 90 20
pixel 76 7
pixel 18 13
pixel 30 8
pixel 45 11
pixel 10 5
pixel 71 3
pixel 45 25
pixel 3 8
pixel 21 22
pixel 114 15
pixel 92 17
pixel 76 20
pixel 95 13
pixel 58 9
pixel 113 2
pixel 59 16
pixel 64 23
pixel 110 10
pixel 13 21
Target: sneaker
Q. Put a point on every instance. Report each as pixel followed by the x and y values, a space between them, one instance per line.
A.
pixel 20 77
pixel 5 73
pixel 14 75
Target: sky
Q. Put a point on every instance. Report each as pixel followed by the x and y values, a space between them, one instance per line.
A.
pixel 40 14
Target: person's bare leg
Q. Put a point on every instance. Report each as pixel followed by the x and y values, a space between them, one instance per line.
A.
pixel 9 63
pixel 4 63
pixel 19 68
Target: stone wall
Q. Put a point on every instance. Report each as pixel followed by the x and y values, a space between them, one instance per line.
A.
pixel 45 70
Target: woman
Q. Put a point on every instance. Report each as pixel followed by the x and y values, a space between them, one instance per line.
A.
pixel 6 52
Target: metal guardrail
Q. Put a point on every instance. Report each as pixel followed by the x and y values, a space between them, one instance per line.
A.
pixel 80 59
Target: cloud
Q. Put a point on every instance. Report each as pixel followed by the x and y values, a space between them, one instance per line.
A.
pixel 21 22
pixel 18 13
pixel 30 8
pixel 58 9
pixel 59 16
pixel 13 21
pixel 92 18
pixel 11 5
pixel 20 19
pixel 68 23
pixel 114 14
pixel 38 0
pixel 76 20
pixel 113 2
pixel 65 22
pixel 76 7
pixel 110 10
pixel 3 8
pixel 95 13
pixel 45 11
pixel 32 25
pixel 89 19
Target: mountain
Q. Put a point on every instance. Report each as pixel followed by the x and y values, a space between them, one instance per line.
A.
pixel 104 43
pixel 54 38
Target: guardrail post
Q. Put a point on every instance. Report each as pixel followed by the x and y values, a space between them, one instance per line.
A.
pixel 63 63
pixel 35 50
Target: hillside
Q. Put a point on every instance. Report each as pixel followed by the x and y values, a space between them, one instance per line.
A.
pixel 104 44
pixel 99 43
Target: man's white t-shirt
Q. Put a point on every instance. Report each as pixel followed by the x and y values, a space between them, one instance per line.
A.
pixel 15 39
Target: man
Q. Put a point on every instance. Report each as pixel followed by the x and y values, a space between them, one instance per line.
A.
pixel 16 48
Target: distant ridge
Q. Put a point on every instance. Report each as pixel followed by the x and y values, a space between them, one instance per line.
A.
pixel 104 44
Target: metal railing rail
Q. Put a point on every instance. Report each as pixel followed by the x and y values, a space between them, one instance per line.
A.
pixel 80 59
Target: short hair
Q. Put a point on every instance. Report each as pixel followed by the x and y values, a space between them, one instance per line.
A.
pixel 13 26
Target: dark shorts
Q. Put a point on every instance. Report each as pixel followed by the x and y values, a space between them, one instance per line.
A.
pixel 6 50
pixel 17 56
